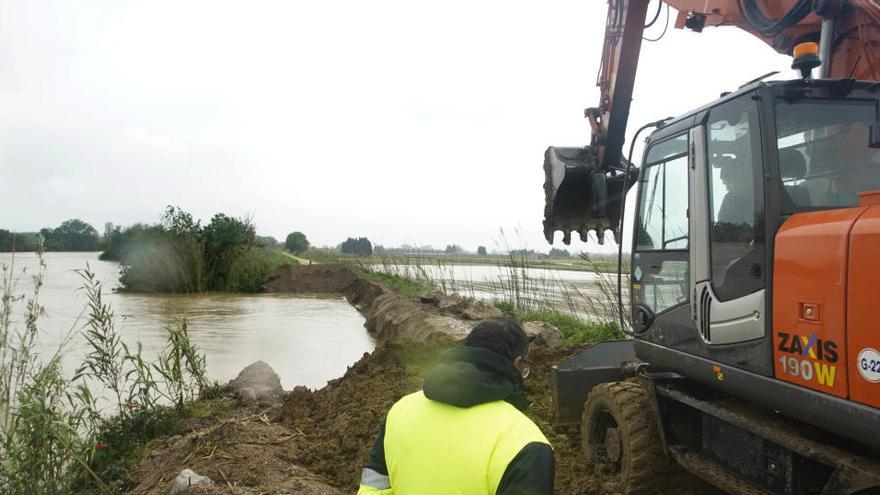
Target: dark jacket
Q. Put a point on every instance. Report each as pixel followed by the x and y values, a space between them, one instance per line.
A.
pixel 483 387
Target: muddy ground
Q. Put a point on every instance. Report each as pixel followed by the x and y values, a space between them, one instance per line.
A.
pixel 315 442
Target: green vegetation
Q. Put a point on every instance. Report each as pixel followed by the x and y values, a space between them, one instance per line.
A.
pixel 268 241
pixel 180 255
pixel 575 330
pixel 296 242
pixel 453 249
pixel 71 235
pixel 582 313
pixel 559 253
pixel 481 251
pixel 398 284
pixel 248 271
pixel 360 246
pixel 55 436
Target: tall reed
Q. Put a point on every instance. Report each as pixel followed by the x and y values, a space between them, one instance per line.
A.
pixel 54 435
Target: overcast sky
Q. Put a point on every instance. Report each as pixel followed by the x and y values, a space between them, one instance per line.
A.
pixel 407 122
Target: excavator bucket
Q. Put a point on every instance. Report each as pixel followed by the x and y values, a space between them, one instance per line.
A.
pixel 579 196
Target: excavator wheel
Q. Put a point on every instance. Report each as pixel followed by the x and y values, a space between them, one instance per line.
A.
pixel 620 438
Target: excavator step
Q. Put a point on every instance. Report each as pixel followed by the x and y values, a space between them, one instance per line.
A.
pixel 714 473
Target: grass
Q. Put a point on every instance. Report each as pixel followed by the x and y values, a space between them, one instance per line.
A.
pixel 124 440
pixel 604 264
pixel 515 283
pixel 582 313
pixel 575 330
pixel 397 283
pixel 250 268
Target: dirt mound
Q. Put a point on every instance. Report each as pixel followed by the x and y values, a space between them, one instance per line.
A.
pixel 340 421
pixel 314 279
pixel 247 451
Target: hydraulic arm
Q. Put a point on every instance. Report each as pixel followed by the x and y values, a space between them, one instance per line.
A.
pixel 585 187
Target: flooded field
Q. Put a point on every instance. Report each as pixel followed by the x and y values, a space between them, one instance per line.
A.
pixel 587 294
pixel 307 340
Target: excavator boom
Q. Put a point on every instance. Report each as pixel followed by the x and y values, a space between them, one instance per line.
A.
pixel 585 187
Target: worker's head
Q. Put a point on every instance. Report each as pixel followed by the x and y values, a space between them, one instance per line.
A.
pixel 503 336
pixel 735 175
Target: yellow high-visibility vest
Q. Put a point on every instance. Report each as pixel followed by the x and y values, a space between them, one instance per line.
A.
pixel 437 448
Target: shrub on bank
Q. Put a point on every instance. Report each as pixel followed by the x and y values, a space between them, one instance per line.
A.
pixel 179 255
pixel 248 270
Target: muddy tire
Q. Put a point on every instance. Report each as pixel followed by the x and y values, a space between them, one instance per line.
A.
pixel 620 438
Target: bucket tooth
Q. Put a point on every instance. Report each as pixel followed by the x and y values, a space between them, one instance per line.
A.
pixel 571 175
pixel 568 204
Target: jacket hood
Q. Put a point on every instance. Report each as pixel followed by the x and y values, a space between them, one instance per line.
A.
pixel 467 376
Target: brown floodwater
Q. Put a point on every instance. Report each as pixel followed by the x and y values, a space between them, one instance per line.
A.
pixel 307 340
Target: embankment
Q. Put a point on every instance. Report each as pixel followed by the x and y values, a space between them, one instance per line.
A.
pixel 316 441
pixel 390 316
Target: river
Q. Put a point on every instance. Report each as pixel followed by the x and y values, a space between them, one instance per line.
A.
pixel 306 340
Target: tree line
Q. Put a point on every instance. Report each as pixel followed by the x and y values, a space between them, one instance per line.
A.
pixel 71 235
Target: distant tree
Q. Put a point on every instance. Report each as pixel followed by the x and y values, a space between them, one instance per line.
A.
pixel 296 242
pixel 360 246
pixel 559 253
pixel 267 241
pixel 453 249
pixel 523 253
pixel 6 241
pixel 71 235
pixel 481 250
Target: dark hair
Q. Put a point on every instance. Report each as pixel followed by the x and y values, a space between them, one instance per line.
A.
pixel 502 335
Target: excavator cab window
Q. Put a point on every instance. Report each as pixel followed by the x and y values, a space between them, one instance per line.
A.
pixel 736 198
pixel 824 154
pixel 660 270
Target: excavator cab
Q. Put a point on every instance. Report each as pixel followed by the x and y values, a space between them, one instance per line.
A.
pixel 752 262
pixel 753 361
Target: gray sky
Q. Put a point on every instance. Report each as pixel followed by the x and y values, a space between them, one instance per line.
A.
pixel 408 122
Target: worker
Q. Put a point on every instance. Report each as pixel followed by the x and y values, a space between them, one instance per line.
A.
pixel 465 432
pixel 738 205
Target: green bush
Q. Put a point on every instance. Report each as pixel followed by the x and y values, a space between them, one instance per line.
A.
pixel 164 265
pixel 179 255
pixel 248 270
pixel 225 240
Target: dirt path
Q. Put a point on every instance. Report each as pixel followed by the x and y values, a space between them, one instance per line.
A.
pixel 301 261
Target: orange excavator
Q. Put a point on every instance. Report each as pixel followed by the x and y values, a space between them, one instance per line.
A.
pixel 754 357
